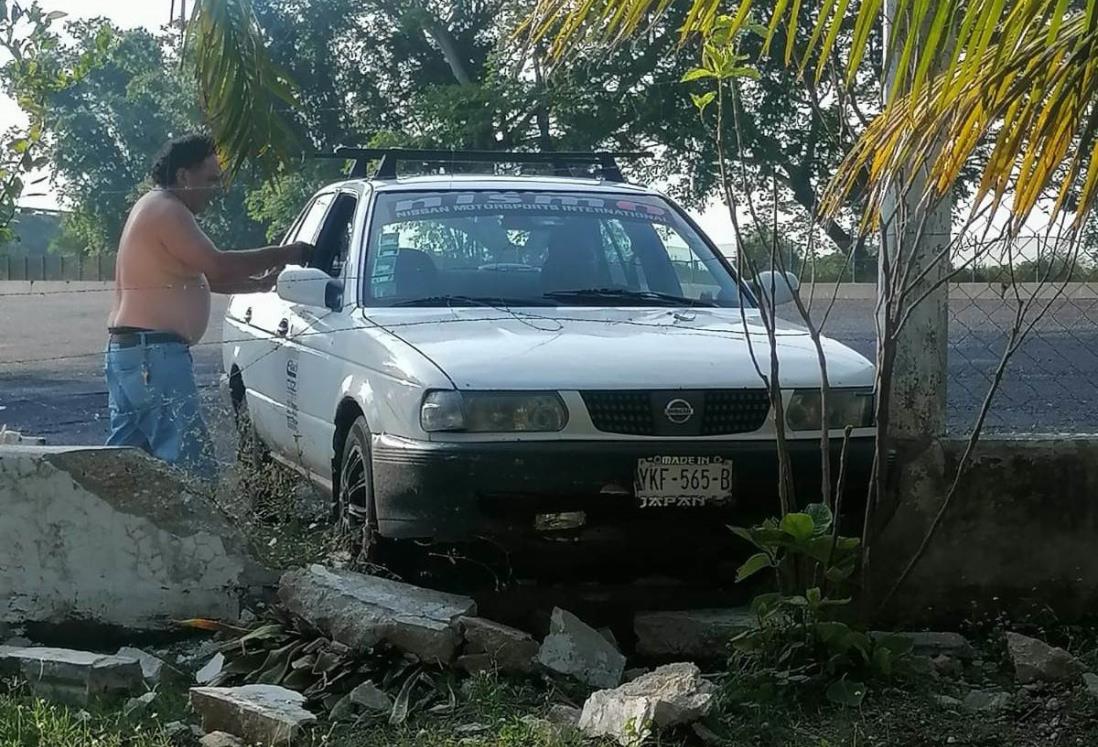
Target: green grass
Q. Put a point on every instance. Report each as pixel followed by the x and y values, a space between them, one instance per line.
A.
pixel 500 706
pixel 747 717
pixel 26 721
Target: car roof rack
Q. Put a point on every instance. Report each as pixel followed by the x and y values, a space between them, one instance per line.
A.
pixel 388 159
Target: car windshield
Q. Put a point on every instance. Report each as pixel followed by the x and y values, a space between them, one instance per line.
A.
pixel 493 248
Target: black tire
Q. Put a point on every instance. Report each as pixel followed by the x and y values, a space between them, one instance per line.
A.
pixel 250 449
pixel 357 513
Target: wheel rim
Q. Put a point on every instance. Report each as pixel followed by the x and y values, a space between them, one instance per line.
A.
pixel 355 500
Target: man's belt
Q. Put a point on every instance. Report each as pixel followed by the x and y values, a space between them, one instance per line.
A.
pixel 128 339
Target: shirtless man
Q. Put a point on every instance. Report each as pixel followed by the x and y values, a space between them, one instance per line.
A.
pixel 166 269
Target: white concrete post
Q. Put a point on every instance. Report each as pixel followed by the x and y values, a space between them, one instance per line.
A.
pixel 917 405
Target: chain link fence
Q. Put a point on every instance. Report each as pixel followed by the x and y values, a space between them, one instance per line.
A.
pixel 1050 384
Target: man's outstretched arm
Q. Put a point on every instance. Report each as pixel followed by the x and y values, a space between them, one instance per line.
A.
pixel 185 240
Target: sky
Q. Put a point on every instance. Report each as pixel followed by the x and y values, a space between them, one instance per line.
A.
pixel 155 13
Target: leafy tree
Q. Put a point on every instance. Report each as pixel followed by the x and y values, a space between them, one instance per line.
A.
pixel 30 75
pixel 450 74
pixel 104 129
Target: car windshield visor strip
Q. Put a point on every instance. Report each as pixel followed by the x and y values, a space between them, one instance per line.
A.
pixel 540 248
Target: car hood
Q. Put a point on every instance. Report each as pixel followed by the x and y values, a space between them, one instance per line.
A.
pixel 598 348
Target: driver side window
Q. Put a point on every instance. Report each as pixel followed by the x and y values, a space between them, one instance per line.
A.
pixel 333 242
pixel 308 229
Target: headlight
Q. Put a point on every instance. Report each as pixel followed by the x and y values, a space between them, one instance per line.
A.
pixel 493 412
pixel 853 407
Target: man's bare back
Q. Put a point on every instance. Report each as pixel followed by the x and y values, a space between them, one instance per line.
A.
pixel 154 288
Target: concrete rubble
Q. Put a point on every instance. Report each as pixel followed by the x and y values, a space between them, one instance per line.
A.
pixel 981 701
pixel 1090 680
pixel 362 611
pixel 137 707
pixel 563 715
pixel 931 644
pixel 672 695
pixel 698 635
pixel 110 536
pixel 211 670
pixel 1036 661
pixel 16 438
pixel 577 650
pixel 152 667
pixel 73 677
pixel 371 698
pixel 500 647
pixel 265 714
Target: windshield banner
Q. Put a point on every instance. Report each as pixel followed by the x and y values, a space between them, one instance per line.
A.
pixel 455 204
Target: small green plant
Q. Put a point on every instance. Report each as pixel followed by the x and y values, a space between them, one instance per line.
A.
pixel 798 639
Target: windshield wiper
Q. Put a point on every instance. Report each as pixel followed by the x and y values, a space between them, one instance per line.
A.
pixel 452 300
pixel 625 294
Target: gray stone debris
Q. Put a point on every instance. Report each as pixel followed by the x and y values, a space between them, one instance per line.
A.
pixel 931 644
pixel 177 731
pixel 136 707
pixel 220 739
pixel 670 696
pixel 947 666
pixel 1091 682
pixel 1036 661
pixel 150 550
pixel 981 701
pixel 362 611
pixel 692 634
pixel 947 701
pixel 575 649
pixel 507 649
pixel 372 698
pixel 266 714
pixel 210 670
pixel 563 715
pixel 631 674
pixel 73 677
pixel 152 668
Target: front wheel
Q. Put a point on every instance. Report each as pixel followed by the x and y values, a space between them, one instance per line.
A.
pixel 250 449
pixel 355 492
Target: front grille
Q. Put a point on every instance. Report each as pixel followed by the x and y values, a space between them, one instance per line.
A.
pixel 729 411
pixel 629 413
pixel 716 412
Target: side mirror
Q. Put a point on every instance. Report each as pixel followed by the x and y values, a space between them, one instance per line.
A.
pixel 784 285
pixel 309 286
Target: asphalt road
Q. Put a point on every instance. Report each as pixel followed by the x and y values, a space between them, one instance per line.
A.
pixel 51 364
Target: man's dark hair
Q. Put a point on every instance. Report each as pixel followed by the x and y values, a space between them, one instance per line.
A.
pixel 183 152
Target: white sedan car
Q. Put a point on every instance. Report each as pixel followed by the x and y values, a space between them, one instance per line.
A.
pixel 478 356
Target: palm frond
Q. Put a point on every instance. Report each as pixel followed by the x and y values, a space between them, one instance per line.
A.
pixel 1019 75
pixel 1034 105
pixel 246 98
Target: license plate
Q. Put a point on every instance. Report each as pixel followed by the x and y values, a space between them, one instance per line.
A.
pixel 663 482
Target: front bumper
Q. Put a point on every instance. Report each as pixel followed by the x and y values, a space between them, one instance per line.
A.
pixel 459 491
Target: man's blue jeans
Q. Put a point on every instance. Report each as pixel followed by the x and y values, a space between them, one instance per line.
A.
pixel 154 406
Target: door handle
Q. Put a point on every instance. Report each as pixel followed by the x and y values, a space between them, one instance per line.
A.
pixel 283 327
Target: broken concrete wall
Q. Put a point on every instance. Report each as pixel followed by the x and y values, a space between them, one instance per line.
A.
pixel 111 536
pixel 1019 536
